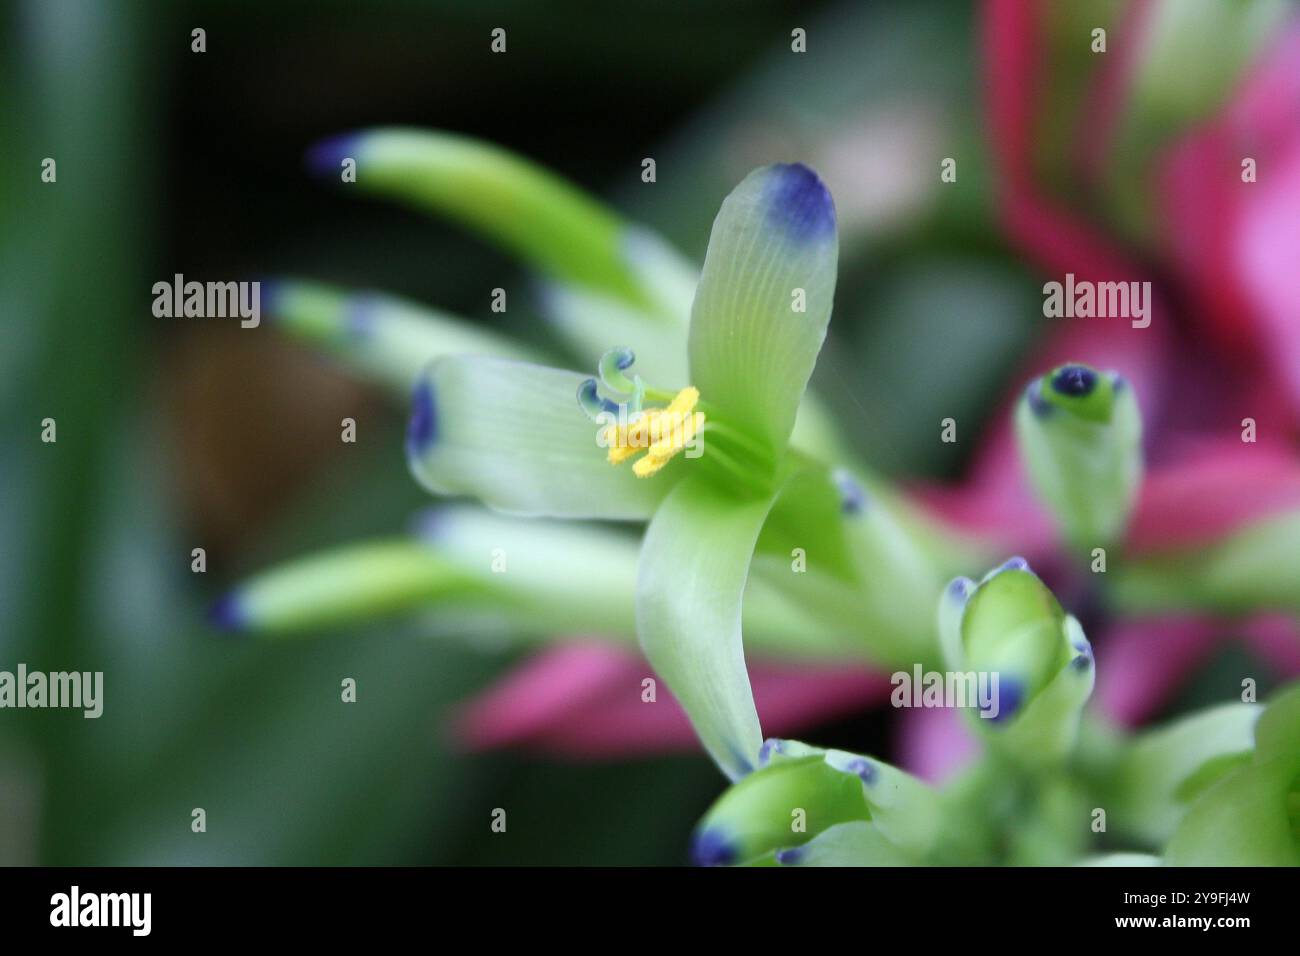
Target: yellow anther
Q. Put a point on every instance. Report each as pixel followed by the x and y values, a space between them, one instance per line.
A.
pixel 662 432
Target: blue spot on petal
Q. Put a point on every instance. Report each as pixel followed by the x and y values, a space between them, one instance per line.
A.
pixel 1082 662
pixel 422 428
pixel 853 499
pixel 791 856
pixel 1074 380
pixel 798 204
pixel 228 614
pixel 864 769
pixel 272 292
pixel 960 589
pixel 1016 563
pixel 1040 406
pixel 359 318
pixel 772 745
pixel 712 848
pixel 325 158
pixel 1011 695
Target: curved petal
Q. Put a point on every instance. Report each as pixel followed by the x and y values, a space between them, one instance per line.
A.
pixel 512 435
pixel 764 299
pixel 694 564
pixel 546 221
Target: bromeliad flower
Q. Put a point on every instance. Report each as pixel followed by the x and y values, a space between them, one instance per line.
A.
pixel 510 434
pixel 492 422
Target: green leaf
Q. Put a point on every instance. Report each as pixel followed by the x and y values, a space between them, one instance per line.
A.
pixel 1251 816
pixel 694 564
pixel 550 224
pixel 1080 435
pixel 773 250
pixel 512 435
pixel 1163 770
pixel 381 338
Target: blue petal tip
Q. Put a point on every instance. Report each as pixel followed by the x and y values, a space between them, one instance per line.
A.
pixel 422 428
pixel 799 204
pixel 227 614
pixel 712 848
pixel 790 856
pixel 1010 696
pixel 853 499
pixel 325 158
pixel 359 315
pixel 1040 406
pixel 1016 563
pixel 863 769
pixel 772 745
pixel 1075 381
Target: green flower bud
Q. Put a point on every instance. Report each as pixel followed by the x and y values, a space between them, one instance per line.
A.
pixel 1010 632
pixel 849 806
pixel 1080 436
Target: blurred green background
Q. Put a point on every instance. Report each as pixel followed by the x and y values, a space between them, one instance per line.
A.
pixel 183 433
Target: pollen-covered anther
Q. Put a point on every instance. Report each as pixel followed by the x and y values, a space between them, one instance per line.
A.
pixel 661 432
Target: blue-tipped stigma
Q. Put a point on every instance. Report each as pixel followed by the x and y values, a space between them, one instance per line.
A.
pixel 798 203
pixel 593 403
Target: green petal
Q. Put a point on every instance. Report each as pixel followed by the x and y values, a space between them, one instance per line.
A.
pixel 1080 435
pixel 751 351
pixel 342 585
pixel 536 215
pixel 1165 769
pixel 847 844
pixel 846 532
pixel 382 338
pixel 512 435
pixel 694 564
